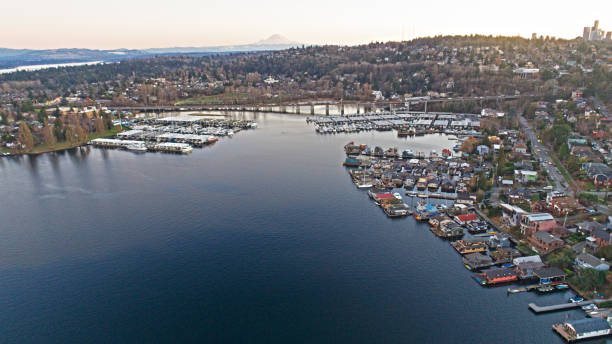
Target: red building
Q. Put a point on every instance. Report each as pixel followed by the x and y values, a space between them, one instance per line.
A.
pixel 545 242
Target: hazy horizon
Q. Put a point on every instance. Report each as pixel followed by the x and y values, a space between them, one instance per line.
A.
pixel 119 24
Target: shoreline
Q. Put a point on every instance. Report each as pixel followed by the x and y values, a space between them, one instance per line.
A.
pixel 58 147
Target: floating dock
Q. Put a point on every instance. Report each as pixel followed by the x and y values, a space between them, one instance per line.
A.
pixel 552 308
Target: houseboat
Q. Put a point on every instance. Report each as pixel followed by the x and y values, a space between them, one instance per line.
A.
pixel 421 184
pixel 465 247
pixel 495 276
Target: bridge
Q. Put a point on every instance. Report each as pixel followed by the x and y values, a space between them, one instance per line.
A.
pixel 296 107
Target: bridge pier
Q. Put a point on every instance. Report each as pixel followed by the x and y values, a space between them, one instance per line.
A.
pixel 326 109
pixel 312 112
pixel 425 106
pixel 297 109
pixel 342 108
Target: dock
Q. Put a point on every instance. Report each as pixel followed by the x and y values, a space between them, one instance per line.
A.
pixel 552 308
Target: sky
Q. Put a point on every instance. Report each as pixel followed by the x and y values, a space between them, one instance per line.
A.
pixel 137 24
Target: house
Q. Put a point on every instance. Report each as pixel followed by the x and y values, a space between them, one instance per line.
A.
pixel 523 176
pixel 550 275
pixel 499 275
pixel 519 148
pixel 583 328
pixel 511 213
pixel 588 261
pixel 545 242
pixel 521 195
pixel 532 223
pixel 465 198
pixel 482 150
pixel 587 227
pixel 466 218
pixel 594 168
pixel 585 246
pixel 564 206
pixel 601 236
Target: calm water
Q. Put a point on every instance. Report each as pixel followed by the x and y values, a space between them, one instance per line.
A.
pixel 261 238
pixel 31 68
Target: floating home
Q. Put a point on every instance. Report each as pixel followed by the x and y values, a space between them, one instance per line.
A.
pixel 583 329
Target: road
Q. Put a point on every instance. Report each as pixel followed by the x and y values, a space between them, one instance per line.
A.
pixel 541 153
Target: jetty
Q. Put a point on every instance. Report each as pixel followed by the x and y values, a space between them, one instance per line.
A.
pixel 559 307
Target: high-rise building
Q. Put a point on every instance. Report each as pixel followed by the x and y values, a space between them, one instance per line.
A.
pixel 586 34
pixel 534 36
pixel 594 33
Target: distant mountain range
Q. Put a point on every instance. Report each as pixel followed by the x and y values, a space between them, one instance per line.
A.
pixel 10 58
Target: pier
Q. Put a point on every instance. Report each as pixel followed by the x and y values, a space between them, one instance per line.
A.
pixel 552 308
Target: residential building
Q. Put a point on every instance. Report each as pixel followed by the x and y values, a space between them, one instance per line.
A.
pixel 544 242
pixel 588 261
pixel 601 236
pixel 586 328
pixel 520 148
pixel 524 177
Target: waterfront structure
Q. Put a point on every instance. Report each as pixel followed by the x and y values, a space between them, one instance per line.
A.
pixel 582 329
pixel 550 274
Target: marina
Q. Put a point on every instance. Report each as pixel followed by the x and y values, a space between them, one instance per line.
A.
pixel 406 123
pixel 173 134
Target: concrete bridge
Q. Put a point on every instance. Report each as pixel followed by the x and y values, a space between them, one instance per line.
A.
pixel 297 107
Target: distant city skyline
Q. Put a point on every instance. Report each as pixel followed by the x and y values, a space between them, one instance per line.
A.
pixel 34 24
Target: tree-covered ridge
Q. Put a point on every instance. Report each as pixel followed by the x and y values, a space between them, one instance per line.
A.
pixel 464 65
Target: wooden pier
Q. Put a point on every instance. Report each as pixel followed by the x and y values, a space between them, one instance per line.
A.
pixel 552 308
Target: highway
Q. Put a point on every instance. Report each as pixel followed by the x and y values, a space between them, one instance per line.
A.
pixel 541 153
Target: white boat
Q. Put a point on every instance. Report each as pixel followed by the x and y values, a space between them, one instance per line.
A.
pixel 137 147
pixel 364 185
pixel 397 195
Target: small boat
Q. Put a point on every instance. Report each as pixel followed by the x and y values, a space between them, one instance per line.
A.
pixel 397 195
pixel 407 154
pixel 562 286
pixel 545 289
pixel 364 185
pixel 575 299
pixel 589 307
pixel 135 147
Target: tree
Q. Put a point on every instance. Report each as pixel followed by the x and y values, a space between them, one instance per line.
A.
pixel 48 136
pixel 99 124
pixel 25 137
pixel 605 252
pixel 58 130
